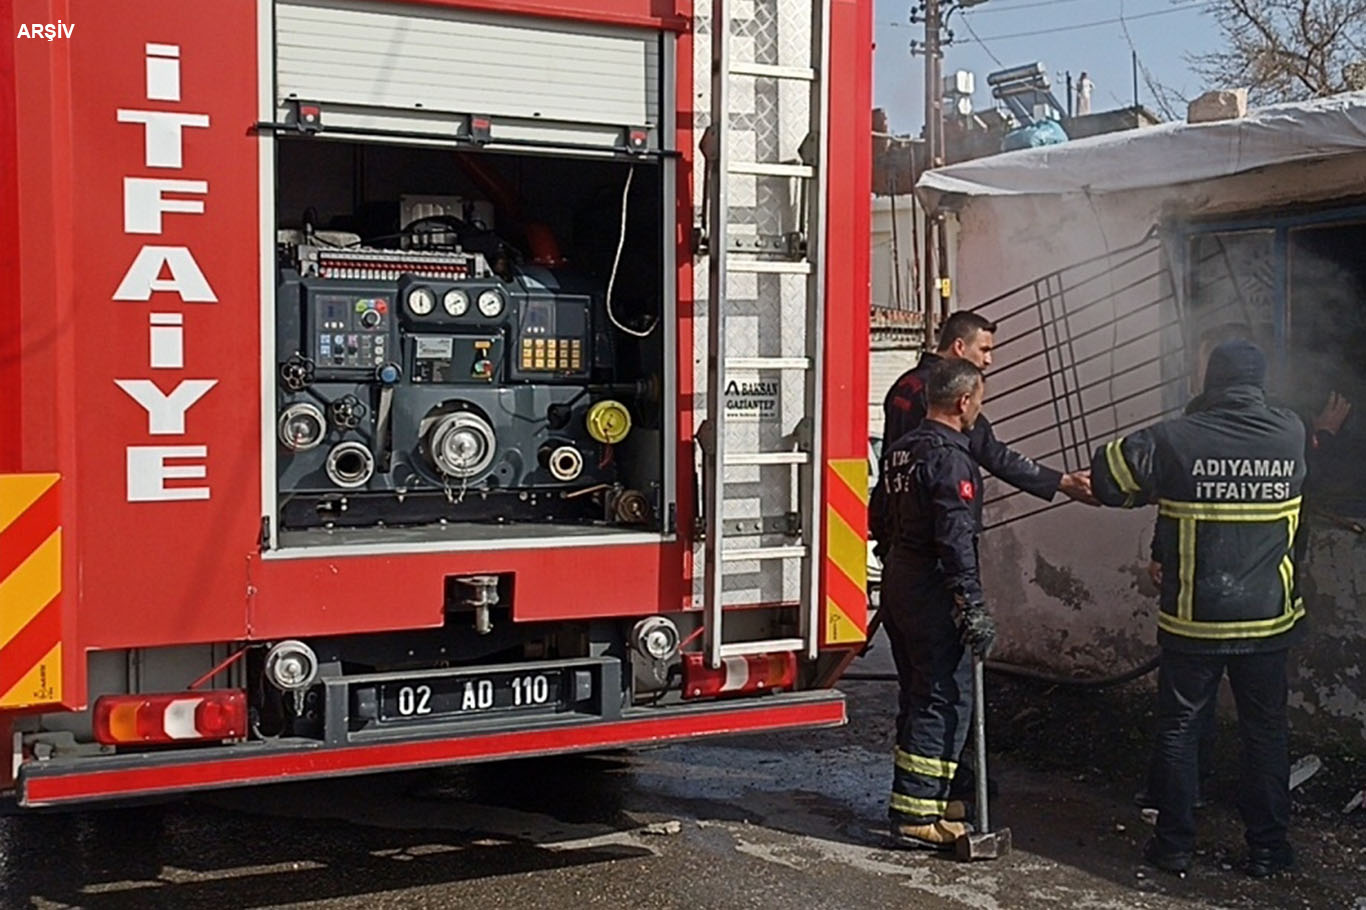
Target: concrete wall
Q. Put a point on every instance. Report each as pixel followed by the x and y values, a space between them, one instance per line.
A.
pixel 894 286
pixel 894 279
pixel 1068 586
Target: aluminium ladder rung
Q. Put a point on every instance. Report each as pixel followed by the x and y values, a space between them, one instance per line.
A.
pixel 768 363
pixel 769 646
pixel 765 169
pixel 748 554
pixel 767 458
pixel 769 71
pixel 769 266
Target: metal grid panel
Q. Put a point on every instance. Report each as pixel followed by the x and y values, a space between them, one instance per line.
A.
pixel 1086 353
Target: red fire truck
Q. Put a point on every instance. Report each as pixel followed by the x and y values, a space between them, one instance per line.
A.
pixel 399 384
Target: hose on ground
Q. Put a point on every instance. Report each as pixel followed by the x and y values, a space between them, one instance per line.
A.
pixel 1009 669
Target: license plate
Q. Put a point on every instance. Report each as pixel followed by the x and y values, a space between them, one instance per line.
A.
pixel 485 693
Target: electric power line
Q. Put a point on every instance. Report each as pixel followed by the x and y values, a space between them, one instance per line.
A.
pixel 967 23
pixel 1032 4
pixel 1081 25
pixel 1069 28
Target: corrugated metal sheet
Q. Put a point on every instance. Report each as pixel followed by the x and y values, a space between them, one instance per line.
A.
pixel 410 57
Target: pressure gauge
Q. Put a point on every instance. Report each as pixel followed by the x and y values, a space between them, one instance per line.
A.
pixel 490 303
pixel 421 301
pixel 456 302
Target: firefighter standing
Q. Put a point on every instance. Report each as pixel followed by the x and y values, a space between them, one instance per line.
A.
pixel 1226 478
pixel 934 610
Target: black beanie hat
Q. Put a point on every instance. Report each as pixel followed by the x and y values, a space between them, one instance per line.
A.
pixel 1235 362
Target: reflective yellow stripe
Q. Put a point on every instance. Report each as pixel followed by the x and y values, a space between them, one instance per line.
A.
pixel 1119 468
pixel 1230 511
pixel 930 767
pixel 1288 583
pixel 912 805
pixel 1257 628
pixel 1185 549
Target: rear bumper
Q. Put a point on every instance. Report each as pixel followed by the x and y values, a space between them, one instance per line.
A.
pixel 74 781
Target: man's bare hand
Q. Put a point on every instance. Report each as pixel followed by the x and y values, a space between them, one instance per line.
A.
pixel 1331 418
pixel 1077 485
pixel 1155 573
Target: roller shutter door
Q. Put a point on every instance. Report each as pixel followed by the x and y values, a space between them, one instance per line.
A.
pixel 418 67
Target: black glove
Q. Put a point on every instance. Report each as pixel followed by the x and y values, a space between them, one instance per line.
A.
pixel 976 628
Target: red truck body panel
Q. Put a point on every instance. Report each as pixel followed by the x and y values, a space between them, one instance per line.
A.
pixel 74 364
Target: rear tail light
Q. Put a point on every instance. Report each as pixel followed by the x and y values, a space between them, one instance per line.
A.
pixel 180 717
pixel 738 675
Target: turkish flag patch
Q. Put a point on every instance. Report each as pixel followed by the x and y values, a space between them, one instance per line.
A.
pixel 965 490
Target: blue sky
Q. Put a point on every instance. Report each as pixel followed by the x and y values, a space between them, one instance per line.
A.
pixel 1163 31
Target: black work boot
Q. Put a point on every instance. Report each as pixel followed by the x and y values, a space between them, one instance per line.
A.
pixel 1166 860
pixel 1266 861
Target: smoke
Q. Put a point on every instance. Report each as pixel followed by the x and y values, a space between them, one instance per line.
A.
pixel 1313 333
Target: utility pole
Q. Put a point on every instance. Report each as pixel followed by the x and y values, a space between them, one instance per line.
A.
pixel 934 92
pixel 935 15
pixel 935 301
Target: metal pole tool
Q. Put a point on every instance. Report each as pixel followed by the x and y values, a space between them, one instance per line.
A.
pixel 982 843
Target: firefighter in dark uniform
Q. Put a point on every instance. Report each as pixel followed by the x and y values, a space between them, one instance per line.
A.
pixel 968 337
pixel 1227 478
pixel 934 610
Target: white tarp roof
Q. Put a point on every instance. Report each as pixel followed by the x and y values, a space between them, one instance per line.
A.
pixel 1163 155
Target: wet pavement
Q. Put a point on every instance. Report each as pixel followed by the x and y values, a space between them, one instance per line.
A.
pixel 787 821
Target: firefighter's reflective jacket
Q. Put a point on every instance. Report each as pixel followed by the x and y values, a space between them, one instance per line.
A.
pixel 1226 478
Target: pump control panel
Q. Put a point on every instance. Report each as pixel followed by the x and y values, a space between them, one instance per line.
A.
pixel 349 333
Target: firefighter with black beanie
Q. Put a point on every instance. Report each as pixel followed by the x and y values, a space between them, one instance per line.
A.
pixel 1226 477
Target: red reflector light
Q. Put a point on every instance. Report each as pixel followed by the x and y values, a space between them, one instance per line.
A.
pixel 738 675
pixel 180 717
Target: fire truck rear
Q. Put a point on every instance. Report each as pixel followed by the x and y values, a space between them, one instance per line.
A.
pixel 404 384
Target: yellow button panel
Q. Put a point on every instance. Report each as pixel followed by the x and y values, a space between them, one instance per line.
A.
pixel 552 354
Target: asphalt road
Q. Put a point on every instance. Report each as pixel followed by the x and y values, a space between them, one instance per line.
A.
pixel 786 821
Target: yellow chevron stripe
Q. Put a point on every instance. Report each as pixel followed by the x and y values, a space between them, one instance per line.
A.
pixel 846 549
pixel 846 552
pixel 30 587
pixel 854 473
pixel 840 629
pixel 41 685
pixel 19 491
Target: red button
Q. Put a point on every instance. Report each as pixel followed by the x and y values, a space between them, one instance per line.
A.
pixel 382 306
